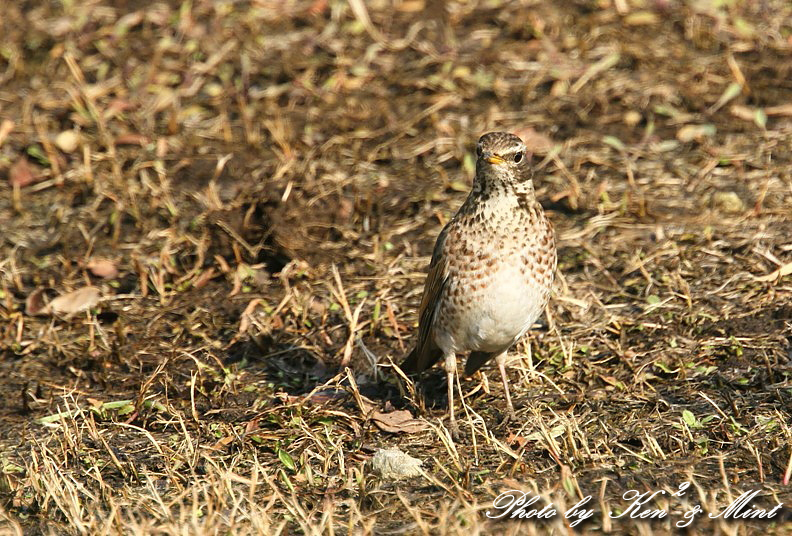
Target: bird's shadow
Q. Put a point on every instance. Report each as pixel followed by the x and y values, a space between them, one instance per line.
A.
pixel 299 373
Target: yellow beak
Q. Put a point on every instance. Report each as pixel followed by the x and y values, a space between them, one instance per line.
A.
pixel 495 159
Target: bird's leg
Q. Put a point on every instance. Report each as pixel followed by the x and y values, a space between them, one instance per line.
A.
pixel 500 359
pixel 451 371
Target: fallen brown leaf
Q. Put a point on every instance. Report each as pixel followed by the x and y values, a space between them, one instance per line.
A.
pixel 118 106
pixel 252 425
pixel 203 278
pixel 328 395
pixel 781 109
pixel 535 142
pixel 222 443
pixel 318 7
pixel 5 129
pixel 411 6
pixel 695 132
pixel 21 173
pixel 641 18
pixel 743 112
pixel 73 302
pixel 35 303
pixel 784 270
pixel 104 268
pixel 399 421
pixel 516 440
pixel 131 139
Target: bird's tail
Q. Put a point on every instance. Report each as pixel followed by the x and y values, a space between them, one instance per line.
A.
pixel 475 361
pixel 421 358
pixel 410 363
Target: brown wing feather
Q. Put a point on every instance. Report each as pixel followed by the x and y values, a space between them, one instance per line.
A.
pixel 426 353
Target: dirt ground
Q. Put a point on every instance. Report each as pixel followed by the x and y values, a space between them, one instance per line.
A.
pixel 250 191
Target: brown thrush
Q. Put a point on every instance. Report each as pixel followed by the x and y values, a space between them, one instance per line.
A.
pixel 491 270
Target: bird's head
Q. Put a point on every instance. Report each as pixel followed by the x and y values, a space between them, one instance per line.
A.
pixel 502 160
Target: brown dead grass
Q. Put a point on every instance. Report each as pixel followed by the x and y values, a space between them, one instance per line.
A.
pixel 267 179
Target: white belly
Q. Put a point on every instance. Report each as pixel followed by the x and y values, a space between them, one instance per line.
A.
pixel 508 309
pixel 506 305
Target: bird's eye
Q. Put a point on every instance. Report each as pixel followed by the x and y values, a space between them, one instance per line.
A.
pixel 518 157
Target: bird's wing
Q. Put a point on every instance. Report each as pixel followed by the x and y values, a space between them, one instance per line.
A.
pixel 426 352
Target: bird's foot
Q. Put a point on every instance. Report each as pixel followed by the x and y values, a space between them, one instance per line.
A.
pixel 453 428
pixel 509 416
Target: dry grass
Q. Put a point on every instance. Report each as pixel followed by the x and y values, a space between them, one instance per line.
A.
pixel 267 178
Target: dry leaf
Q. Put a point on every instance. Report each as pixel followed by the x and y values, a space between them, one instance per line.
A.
pixel 252 425
pixel 222 443
pixel 781 109
pixel 118 106
pixel 743 112
pixel 318 7
pixel 516 440
pixel 695 132
pixel 95 402
pixel 641 18
pixel 36 303
pixel 535 142
pixel 411 6
pixel 73 302
pixel 326 396
pixel 5 129
pixel 728 202
pixel 131 139
pixel 778 274
pixel 398 421
pixel 246 318
pixel 104 268
pixel 203 278
pixel 21 173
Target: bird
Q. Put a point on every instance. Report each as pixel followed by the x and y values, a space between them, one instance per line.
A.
pixel 491 271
